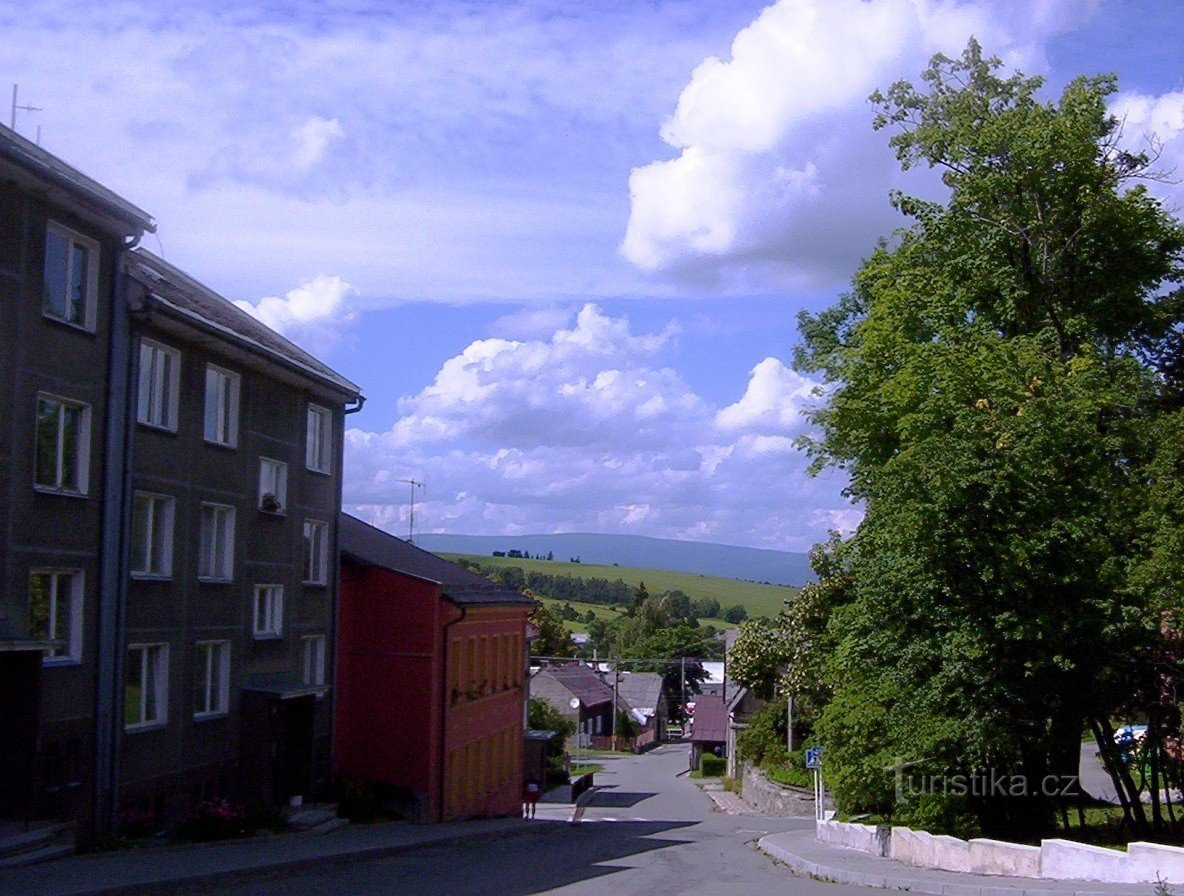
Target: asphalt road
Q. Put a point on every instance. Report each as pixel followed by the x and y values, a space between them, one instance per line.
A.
pixel 645 832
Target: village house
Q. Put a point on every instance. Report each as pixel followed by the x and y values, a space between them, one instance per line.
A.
pixel 560 685
pixel 432 679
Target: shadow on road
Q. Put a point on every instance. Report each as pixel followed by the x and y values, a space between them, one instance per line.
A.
pixel 607 798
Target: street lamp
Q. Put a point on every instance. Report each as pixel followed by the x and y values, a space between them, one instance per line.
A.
pixel 577 706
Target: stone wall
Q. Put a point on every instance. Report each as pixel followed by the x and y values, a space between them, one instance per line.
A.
pixel 770 798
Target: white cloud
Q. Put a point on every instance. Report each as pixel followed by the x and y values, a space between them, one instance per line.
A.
pixel 1155 124
pixel 778 176
pixel 314 314
pixel 312 138
pixel 585 429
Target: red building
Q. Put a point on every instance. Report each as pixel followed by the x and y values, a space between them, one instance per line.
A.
pixel 431 686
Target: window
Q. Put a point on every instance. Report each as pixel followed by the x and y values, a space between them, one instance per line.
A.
pixel 71 276
pixel 216 552
pixel 55 612
pixel 152 535
pixel 211 679
pixel 314 659
pixel 63 445
pixel 146 686
pixel 160 374
pixel 316 552
pixel 320 432
pixel 222 388
pixel 269 610
pixel 273 485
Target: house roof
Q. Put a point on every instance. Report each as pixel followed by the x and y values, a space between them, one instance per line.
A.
pixel 641 690
pixel 372 546
pixel 710 722
pixel 49 168
pixel 582 682
pixel 196 303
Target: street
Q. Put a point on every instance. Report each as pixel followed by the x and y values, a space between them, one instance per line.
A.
pixel 645 831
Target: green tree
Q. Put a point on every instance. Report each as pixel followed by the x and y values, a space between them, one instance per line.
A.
pixel 992 374
pixel 736 614
pixel 555 639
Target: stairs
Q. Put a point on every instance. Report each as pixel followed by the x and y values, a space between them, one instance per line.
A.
pixel 42 842
pixel 315 819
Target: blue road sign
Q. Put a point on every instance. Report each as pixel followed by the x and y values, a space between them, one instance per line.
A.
pixel 814 757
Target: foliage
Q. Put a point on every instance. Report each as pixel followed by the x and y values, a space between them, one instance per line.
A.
pixel 736 613
pixel 994 380
pixel 542 716
pixel 712 766
pixel 214 820
pixel 758 657
pixel 555 639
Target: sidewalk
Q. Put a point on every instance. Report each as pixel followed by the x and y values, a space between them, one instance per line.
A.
pixel 802 852
pixel 158 870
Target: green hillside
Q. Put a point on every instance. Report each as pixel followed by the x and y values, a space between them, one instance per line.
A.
pixel 757 599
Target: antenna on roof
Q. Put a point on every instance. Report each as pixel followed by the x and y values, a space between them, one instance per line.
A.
pixel 15 106
pixel 411 516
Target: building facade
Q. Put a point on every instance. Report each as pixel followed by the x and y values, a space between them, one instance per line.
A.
pixel 432 679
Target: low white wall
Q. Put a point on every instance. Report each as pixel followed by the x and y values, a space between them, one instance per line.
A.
pixel 1147 860
pixel 1066 860
pixel 999 857
pixel 863 837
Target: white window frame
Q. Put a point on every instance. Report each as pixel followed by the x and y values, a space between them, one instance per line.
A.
pixel 273 480
pixel 316 552
pixel 211 679
pixel 144 654
pixel 158 564
pixel 312 649
pixel 318 448
pixel 64 607
pixel 221 517
pixel 159 394
pixel 222 404
pixel 267 610
pixel 81 448
pixel 90 300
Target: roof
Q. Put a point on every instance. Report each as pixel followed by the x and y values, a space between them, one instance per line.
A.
pixel 281 685
pixel 582 682
pixel 372 546
pixel 710 722
pixel 641 690
pixel 48 167
pixel 193 301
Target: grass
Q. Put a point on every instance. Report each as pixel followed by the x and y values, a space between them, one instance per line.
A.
pixel 757 599
pixel 586 768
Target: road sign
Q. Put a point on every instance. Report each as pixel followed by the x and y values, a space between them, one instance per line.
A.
pixel 814 757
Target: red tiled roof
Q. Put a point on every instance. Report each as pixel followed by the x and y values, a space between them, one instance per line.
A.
pixel 710 723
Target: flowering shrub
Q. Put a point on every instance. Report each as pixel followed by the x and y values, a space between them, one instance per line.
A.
pixel 214 820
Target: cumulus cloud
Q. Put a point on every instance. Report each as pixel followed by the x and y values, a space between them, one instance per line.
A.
pixel 314 314
pixel 585 429
pixel 1155 124
pixel 778 171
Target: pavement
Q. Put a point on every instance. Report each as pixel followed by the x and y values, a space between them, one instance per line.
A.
pixel 804 854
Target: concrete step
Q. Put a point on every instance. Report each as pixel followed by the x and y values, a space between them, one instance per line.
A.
pixel 326 827
pixel 13 844
pixel 309 817
pixel 35 856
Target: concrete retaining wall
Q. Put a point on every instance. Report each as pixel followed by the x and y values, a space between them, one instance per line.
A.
pixel 1053 859
pixel 769 798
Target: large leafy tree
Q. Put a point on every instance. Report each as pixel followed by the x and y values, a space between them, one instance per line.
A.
pixel 994 373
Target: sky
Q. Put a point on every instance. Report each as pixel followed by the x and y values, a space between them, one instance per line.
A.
pixel 561 246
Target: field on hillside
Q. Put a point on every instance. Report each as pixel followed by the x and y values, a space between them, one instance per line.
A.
pixel 602 611
pixel 757 599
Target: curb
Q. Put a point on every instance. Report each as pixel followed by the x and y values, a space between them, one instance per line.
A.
pixel 832 874
pixel 229 875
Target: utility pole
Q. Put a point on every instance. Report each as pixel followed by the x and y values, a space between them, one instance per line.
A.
pixel 789 723
pixel 616 711
pixel 12 116
pixel 411 514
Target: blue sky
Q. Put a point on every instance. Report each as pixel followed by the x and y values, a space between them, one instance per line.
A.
pixel 561 245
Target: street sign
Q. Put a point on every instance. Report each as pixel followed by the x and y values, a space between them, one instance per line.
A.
pixel 814 757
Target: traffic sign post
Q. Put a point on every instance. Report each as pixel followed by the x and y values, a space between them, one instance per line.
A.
pixel 814 763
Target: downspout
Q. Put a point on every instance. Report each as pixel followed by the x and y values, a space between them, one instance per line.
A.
pixel 444 708
pixel 116 523
pixel 335 609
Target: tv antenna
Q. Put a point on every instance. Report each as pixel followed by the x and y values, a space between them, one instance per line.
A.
pixel 411 515
pixel 16 105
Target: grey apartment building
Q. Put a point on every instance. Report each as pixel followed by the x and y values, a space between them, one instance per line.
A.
pixel 170 484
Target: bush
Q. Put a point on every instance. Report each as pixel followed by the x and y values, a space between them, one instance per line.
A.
pixel 712 766
pixel 214 820
pixel 764 736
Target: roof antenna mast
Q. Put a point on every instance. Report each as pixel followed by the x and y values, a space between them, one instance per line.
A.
pixel 15 106
pixel 411 516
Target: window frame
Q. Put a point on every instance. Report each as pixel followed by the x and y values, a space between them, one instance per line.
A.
pixel 226 572
pixel 94 263
pixel 280 491
pixel 312 659
pixel 319 561
pixel 81 449
pixel 148 402
pixel 229 417
pixel 70 654
pixel 170 504
pixel 274 612
pixel 161 681
pixel 206 654
pixel 318 445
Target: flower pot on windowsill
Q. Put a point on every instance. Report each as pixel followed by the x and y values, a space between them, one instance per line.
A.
pixel 269 503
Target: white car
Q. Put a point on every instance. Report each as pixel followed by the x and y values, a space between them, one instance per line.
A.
pixel 1129 734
